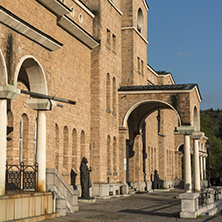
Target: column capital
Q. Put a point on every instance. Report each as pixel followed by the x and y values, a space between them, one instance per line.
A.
pixel 9 92
pixel 185 130
pixel 41 104
pixel 197 135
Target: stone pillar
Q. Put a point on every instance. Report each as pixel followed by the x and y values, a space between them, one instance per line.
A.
pixel 201 168
pixel 187 164
pixel 3 144
pixel 6 92
pixel 196 165
pixel 187 131
pixel 123 162
pixel 41 105
pixel 204 168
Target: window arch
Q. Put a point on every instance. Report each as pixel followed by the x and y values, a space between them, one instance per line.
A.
pixel 23 140
pixel 114 94
pixel 140 21
pixel 65 147
pixel 56 147
pixel 109 156
pixel 108 91
pixel 74 150
pixel 82 144
pixel 115 159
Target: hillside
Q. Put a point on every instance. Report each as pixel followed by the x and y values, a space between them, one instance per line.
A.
pixel 211 125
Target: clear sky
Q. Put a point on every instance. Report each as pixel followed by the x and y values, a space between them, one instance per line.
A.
pixel 185 38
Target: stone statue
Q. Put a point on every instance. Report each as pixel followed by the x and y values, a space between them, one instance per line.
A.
pixel 157 183
pixel 85 178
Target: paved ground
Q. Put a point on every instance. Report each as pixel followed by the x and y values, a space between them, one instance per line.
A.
pixel 155 207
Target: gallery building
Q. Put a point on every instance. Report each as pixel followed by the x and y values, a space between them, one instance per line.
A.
pixel 75 82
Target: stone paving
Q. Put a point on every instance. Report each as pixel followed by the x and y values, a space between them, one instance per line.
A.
pixel 154 206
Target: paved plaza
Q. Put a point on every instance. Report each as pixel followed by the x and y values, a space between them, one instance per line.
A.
pixel 154 206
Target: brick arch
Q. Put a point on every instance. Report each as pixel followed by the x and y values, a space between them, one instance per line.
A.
pixel 152 105
pixel 3 71
pixel 30 72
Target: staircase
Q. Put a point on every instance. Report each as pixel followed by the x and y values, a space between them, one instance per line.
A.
pixel 65 198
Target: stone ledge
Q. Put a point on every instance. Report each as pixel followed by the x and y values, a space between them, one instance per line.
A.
pixel 24 28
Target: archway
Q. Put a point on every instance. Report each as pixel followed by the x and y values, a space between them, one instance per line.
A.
pixel 140 130
pixel 31 74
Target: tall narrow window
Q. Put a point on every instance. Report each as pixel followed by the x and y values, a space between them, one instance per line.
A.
pixel 82 145
pixel 114 94
pixel 140 21
pixel 142 66
pixel 108 92
pixel 109 156
pixel 65 147
pixel 56 146
pixel 108 37
pixel 74 150
pixel 114 42
pixel 115 159
pixel 138 64
pixel 24 139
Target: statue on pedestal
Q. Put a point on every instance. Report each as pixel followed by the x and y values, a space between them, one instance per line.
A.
pixel 85 178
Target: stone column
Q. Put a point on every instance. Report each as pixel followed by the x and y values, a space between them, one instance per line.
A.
pixel 187 164
pixel 187 131
pixel 123 162
pixel 3 144
pixel 196 164
pixel 41 105
pixel 204 168
pixel 201 168
pixel 6 92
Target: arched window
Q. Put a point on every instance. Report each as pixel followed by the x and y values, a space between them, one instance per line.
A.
pixel 108 92
pixel 65 147
pixel 196 119
pixel 82 144
pixel 140 21
pixel 114 94
pixel 56 147
pixel 115 159
pixel 109 156
pixel 23 140
pixel 74 150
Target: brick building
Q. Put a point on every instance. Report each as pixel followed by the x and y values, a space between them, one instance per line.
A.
pixel 124 119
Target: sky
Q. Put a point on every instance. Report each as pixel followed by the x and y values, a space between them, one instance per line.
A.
pixel 185 38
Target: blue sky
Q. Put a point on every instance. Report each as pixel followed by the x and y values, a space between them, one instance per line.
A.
pixel 185 38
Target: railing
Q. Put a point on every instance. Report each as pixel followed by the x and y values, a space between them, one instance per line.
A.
pixel 209 196
pixel 21 177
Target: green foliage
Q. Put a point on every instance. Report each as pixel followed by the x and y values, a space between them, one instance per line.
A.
pixel 211 125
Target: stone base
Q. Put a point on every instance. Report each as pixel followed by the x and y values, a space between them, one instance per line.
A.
pixel 91 200
pixel 108 190
pixel 26 207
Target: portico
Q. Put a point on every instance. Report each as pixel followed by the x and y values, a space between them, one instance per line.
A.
pixel 137 104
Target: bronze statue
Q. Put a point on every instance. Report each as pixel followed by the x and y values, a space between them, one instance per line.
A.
pixel 85 178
